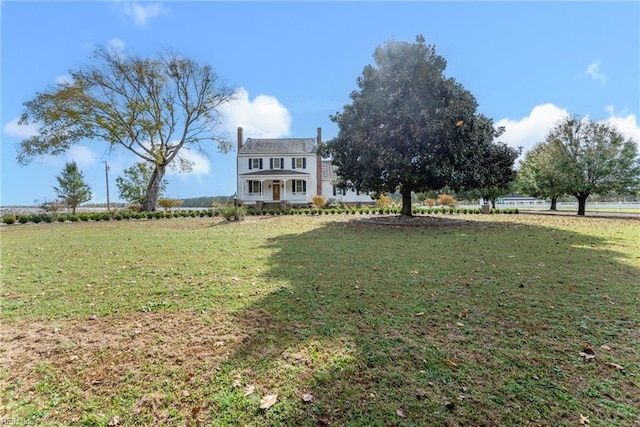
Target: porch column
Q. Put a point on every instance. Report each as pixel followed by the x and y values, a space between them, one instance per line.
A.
pixel 284 189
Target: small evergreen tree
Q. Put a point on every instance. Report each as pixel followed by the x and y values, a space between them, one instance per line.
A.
pixel 72 188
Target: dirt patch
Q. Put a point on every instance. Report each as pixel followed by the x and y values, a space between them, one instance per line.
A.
pixel 104 350
pixel 414 221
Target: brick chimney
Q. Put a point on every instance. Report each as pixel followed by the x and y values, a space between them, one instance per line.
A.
pixel 318 163
pixel 240 138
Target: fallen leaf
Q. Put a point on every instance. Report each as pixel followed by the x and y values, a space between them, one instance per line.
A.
pixel 572 288
pixel 587 356
pixel 420 393
pixel 248 390
pixel 460 324
pixel 616 366
pixel 463 314
pixel 420 314
pixel 452 363
pixel 236 383
pixel 584 420
pixel 307 398
pixel 605 347
pixel 400 413
pixel 114 421
pixel 268 401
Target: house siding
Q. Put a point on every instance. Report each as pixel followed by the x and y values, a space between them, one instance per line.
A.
pixel 278 164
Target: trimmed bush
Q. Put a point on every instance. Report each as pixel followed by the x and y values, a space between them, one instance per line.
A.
pixel 8 219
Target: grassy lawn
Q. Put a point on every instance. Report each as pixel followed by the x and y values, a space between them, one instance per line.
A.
pixel 496 320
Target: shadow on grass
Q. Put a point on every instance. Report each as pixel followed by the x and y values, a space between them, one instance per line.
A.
pixel 481 324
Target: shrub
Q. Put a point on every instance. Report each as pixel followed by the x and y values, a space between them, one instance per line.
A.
pixel 8 218
pixel 319 201
pixel 429 202
pixel 83 216
pixel 446 200
pixel 383 201
pixel 233 213
pixel 167 204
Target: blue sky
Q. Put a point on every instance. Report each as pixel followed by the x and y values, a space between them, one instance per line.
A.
pixel 295 63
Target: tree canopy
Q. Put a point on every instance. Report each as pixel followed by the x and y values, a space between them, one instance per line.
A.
pixel 72 189
pixel 539 176
pixel 153 107
pixel 132 186
pixel 581 157
pixel 595 158
pixel 408 128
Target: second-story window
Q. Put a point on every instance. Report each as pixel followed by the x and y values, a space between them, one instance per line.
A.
pixel 299 163
pixel 276 163
pixel 255 163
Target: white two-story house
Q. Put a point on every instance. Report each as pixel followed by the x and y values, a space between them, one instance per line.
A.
pixel 279 171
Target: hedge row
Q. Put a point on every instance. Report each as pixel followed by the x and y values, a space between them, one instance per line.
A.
pixel 127 215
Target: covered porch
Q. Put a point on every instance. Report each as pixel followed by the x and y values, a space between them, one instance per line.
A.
pixel 274 186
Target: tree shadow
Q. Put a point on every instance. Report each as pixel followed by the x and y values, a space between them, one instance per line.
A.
pixel 386 325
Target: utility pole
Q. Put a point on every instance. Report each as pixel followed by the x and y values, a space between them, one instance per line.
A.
pixel 106 174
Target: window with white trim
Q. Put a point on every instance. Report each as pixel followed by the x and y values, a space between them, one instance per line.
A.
pixel 298 163
pixel 255 163
pixel 277 163
pixel 299 186
pixel 255 187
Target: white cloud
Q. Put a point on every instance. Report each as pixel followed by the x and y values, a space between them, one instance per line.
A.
pixel 14 130
pixel 593 71
pixel 529 130
pixel 199 163
pixel 116 45
pixel 64 79
pixel 142 13
pixel 262 117
pixel 82 155
pixel 626 125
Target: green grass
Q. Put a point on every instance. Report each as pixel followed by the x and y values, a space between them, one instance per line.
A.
pixel 168 322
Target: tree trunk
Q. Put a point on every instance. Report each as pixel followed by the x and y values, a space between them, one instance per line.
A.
pixel 493 203
pixel 582 203
pixel 153 189
pixel 406 203
pixel 554 203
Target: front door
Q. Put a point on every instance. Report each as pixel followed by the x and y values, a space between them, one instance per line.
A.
pixel 276 192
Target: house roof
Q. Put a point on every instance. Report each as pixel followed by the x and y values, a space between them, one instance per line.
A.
pixel 328 171
pixel 279 146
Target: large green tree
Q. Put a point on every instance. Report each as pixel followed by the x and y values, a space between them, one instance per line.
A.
pixel 132 186
pixel 153 107
pixel 72 188
pixel 408 128
pixel 540 176
pixel 594 158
